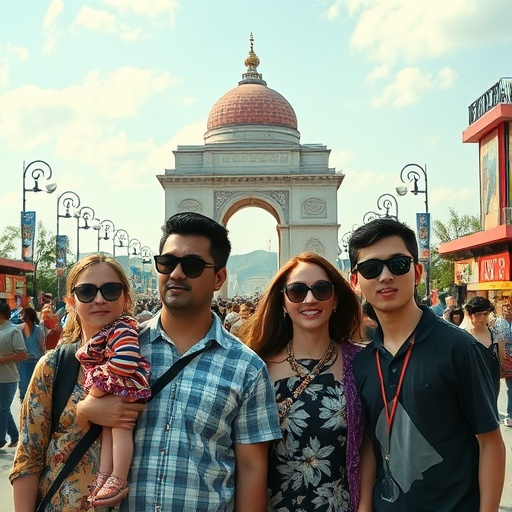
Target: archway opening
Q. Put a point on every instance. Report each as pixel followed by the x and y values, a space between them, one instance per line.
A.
pixel 255 251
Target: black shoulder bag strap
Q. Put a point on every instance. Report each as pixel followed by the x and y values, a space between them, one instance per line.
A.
pixel 93 433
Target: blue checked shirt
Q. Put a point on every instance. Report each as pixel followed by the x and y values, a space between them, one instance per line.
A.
pixel 184 455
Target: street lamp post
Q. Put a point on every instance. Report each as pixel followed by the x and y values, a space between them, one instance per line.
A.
pixel 134 249
pixel 413 173
pixel 122 238
pixel 90 222
pixel 106 227
pixel 37 169
pixel 387 204
pixel 146 254
pixel 135 245
pixel 70 201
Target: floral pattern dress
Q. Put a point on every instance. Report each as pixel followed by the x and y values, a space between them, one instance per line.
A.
pixel 307 467
pixel 42 454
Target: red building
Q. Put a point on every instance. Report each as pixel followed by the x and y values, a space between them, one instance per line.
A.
pixel 13 282
pixel 482 260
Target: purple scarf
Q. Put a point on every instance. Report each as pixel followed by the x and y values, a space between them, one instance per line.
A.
pixel 355 423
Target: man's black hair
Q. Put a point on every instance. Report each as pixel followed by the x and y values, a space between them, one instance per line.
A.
pixel 5 310
pixel 376 230
pixel 191 223
pixel 478 304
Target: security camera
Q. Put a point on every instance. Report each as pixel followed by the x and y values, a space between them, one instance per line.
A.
pixel 401 190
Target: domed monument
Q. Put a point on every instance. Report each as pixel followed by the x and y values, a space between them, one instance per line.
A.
pixel 252 156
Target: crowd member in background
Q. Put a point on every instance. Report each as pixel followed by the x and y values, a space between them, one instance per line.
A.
pixel 232 316
pixel 503 330
pixel 455 316
pixel 479 310
pixel 244 314
pixel 51 322
pixel 430 408
pixel 203 441
pixel 41 452
pixel 33 334
pixel 302 328
pixel 12 351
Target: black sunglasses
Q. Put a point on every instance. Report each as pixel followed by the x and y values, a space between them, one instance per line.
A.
pixel 192 265
pixel 87 292
pixel 370 269
pixel 297 292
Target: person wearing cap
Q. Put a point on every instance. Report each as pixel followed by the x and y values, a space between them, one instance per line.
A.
pixel 478 310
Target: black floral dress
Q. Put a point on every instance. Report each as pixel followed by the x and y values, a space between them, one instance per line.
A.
pixel 307 467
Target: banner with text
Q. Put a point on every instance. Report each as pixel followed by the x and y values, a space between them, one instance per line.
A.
pixel 62 242
pixel 28 235
pixel 423 226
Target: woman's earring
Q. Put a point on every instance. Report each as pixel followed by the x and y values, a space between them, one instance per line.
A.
pixel 334 309
pixel 284 312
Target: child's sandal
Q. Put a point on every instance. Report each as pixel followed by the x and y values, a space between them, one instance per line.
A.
pixel 98 483
pixel 114 490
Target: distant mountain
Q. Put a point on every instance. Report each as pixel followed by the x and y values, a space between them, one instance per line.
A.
pixel 250 273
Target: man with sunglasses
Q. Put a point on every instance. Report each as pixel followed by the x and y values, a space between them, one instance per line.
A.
pixel 219 412
pixel 427 392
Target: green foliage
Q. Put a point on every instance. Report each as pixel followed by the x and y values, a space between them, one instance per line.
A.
pixel 10 239
pixel 457 226
pixel 44 277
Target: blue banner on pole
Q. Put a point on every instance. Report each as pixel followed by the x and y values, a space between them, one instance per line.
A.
pixel 423 226
pixel 28 235
pixel 62 242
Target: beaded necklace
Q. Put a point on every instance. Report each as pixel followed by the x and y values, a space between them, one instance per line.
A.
pixel 328 358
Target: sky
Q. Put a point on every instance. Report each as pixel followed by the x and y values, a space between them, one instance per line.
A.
pixel 105 90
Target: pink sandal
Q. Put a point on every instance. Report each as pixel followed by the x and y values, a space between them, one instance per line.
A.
pixel 98 483
pixel 114 490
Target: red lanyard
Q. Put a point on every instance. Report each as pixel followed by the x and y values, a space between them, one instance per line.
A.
pixel 391 416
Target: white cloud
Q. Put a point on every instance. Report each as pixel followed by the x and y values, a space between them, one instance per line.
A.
pixel 50 25
pixel 395 31
pixel 378 73
pixel 447 77
pixel 153 9
pixel 11 52
pixel 339 159
pixel 78 119
pixel 103 21
pixel 409 83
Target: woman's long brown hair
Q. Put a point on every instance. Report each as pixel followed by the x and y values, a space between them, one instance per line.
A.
pixel 267 332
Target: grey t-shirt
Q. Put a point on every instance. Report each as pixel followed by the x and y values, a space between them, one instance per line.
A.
pixel 11 342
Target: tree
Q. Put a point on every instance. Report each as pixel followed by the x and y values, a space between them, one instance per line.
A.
pixel 457 226
pixel 44 256
pixel 7 241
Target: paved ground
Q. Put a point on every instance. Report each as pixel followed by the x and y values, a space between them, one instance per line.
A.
pixel 7 454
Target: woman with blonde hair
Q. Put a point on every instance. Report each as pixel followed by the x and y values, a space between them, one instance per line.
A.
pixel 303 328
pixel 98 293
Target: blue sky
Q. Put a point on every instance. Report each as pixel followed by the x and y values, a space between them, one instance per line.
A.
pixel 104 90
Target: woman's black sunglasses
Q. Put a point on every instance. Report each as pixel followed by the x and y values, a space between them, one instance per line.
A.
pixel 87 292
pixel 297 292
pixel 370 269
pixel 192 265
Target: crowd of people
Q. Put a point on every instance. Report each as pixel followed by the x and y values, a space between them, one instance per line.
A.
pixel 308 397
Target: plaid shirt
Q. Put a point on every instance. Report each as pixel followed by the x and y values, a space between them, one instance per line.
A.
pixel 184 455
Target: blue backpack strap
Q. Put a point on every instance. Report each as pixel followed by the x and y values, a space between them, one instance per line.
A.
pixel 65 377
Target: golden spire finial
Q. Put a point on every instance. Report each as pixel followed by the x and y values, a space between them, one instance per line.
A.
pixel 252 62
